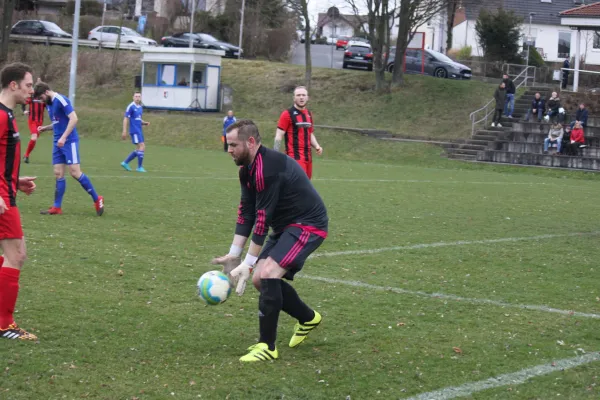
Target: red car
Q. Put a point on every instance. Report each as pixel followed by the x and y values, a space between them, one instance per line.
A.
pixel 342 42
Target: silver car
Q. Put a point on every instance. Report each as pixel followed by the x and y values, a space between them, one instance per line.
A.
pixel 430 62
pixel 109 34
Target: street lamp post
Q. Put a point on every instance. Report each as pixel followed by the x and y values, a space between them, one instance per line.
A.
pixel 531 14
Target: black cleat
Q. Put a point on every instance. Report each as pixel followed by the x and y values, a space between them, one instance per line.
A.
pixel 26 160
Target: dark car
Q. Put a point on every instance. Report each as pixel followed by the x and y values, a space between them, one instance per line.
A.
pixel 201 41
pixel 430 63
pixel 358 55
pixel 38 28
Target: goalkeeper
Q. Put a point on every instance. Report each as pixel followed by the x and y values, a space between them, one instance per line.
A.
pixel 276 193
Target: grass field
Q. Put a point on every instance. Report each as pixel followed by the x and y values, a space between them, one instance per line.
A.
pixel 436 274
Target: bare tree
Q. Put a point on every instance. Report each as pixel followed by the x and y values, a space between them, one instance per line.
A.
pixel 451 9
pixel 300 7
pixel 380 18
pixel 7 12
pixel 413 13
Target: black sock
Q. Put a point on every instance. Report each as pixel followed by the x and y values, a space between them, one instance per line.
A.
pixel 269 305
pixel 293 305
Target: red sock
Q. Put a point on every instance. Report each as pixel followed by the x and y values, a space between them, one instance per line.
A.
pixel 30 147
pixel 9 291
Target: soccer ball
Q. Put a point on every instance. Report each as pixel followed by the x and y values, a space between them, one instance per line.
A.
pixel 214 287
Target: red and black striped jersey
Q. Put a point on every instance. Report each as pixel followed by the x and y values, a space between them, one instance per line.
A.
pixel 36 110
pixel 298 127
pixel 10 155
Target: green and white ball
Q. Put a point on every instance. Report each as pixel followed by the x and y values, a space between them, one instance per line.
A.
pixel 214 287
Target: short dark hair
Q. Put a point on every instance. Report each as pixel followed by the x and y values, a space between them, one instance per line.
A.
pixel 136 92
pixel 40 88
pixel 246 129
pixel 14 72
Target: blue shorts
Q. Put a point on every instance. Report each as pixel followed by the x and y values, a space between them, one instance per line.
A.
pixel 68 154
pixel 137 138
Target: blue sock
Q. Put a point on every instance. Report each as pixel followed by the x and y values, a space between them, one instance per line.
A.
pixel 131 157
pixel 59 192
pixel 140 155
pixel 86 184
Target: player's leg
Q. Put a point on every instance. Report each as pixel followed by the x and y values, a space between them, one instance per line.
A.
pixel 133 154
pixel 307 167
pixel 141 148
pixel 58 161
pixel 33 130
pixel 296 244
pixel 14 258
pixel 84 180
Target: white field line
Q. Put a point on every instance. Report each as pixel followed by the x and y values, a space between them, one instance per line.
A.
pixel 443 296
pixel 514 378
pixel 355 180
pixel 448 244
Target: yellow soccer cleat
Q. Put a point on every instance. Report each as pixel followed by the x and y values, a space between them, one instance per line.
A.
pixel 260 352
pixel 302 330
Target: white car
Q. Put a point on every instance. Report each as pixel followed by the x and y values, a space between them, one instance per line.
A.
pixel 110 34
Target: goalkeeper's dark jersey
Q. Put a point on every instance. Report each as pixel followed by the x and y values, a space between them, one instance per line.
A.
pixel 277 193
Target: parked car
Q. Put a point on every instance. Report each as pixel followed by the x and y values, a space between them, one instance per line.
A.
pixel 435 64
pixel 201 41
pixel 39 28
pixel 109 33
pixel 331 40
pixel 313 39
pixel 341 42
pixel 358 55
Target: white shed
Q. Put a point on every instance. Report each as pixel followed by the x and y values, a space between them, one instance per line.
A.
pixel 181 79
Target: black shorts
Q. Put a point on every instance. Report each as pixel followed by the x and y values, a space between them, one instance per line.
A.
pixel 291 248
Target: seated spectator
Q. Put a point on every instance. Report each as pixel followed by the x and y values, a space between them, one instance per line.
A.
pixel 581 116
pixel 537 108
pixel 183 82
pixel 555 136
pixel 554 107
pixel 576 141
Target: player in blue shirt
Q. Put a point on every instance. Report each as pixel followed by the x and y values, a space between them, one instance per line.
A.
pixel 228 120
pixel 65 150
pixel 133 118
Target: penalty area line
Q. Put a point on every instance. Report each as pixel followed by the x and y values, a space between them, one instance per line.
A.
pixel 514 378
pixel 452 297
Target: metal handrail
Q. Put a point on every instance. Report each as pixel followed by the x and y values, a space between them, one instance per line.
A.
pixel 474 122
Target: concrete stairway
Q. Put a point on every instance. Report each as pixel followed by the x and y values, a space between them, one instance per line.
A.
pixel 484 137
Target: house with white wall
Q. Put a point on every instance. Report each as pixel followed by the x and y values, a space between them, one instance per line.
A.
pixel 343 25
pixel 541 24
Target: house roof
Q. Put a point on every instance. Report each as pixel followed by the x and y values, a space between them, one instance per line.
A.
pixel 545 13
pixel 350 19
pixel 590 10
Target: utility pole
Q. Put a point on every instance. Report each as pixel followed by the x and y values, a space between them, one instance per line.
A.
pixel 241 30
pixel 73 75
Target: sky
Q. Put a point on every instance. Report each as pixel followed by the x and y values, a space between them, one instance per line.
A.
pixel 320 6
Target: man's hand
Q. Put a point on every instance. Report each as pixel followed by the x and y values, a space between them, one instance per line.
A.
pixel 242 274
pixel 3 206
pixel 41 129
pixel 123 135
pixel 229 263
pixel 25 112
pixel 146 123
pixel 61 142
pixel 27 184
pixel 319 150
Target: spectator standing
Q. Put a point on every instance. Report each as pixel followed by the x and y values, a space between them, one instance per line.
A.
pixel 500 97
pixel 510 96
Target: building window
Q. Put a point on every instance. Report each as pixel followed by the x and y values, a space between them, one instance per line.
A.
pixel 167 75
pixel 596 44
pixel 150 73
pixel 564 44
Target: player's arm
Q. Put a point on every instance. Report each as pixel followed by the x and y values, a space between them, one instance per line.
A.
pixel 282 125
pixel 71 125
pixel 315 144
pixel 125 125
pixel 266 202
pixel 279 135
pixel 243 229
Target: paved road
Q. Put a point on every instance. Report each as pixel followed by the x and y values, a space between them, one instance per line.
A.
pixel 321 56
